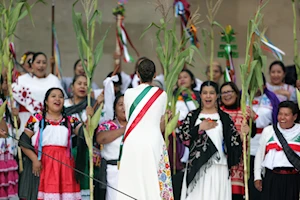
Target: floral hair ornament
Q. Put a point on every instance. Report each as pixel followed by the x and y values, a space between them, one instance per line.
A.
pixel 22 61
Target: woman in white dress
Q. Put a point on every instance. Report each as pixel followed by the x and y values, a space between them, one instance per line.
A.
pixel 30 89
pixel 215 146
pixel 110 135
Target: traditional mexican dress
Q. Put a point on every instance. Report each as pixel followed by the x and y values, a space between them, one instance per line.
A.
pixel 57 181
pixel 212 154
pixel 8 165
pixel 281 180
pixel 291 89
pixel 29 91
pixel 184 105
pixel 110 152
pixel 144 166
pixel 237 172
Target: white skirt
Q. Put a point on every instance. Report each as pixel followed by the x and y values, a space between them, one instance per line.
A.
pixel 214 184
pixel 112 180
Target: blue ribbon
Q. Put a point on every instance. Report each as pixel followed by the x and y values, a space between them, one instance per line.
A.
pixel 41 140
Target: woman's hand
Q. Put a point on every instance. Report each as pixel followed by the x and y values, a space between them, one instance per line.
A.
pixel 3 133
pixel 36 167
pixel 15 112
pixel 207 125
pixel 100 98
pixel 258 185
pixel 245 129
pixel 283 92
pixel 89 111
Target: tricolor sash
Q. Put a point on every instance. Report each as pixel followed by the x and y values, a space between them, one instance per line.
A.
pixel 140 115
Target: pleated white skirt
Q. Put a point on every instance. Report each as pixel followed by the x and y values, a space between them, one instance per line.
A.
pixel 214 184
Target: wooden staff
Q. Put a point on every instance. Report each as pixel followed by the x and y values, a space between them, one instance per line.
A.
pixel 52 36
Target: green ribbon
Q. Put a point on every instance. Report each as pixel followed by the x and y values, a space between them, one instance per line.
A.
pixel 138 100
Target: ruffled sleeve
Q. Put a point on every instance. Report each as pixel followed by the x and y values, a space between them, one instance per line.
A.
pixel 107 126
pixel 30 125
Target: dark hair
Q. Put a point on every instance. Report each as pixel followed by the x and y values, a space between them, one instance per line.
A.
pixel 77 77
pixel 35 55
pixel 209 83
pixel 116 102
pixel 76 63
pixel 192 77
pixel 119 76
pixel 146 69
pixel 289 104
pixel 277 62
pixel 138 62
pixel 45 109
pixel 212 84
pixel 236 91
pixel 28 53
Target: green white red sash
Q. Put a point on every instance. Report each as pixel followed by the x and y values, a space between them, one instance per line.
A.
pixel 140 115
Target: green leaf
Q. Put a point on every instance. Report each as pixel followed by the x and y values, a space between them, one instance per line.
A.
pixel 298 97
pixel 78 26
pixel 93 18
pixel 13 18
pixel 98 52
pixel 148 27
pixel 172 124
pixel 96 118
pixel 28 9
pixel 2 109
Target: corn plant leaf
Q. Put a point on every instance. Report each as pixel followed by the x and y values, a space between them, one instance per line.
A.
pixel 28 9
pixel 298 97
pixel 2 109
pixel 78 26
pixel 94 18
pixel 96 118
pixel 172 124
pixel 148 27
pixel 87 138
pixel 98 52
pixel 13 18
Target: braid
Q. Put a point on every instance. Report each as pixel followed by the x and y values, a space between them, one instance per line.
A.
pixel 63 112
pixel 44 112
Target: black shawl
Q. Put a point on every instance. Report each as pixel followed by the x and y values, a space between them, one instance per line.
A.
pixel 202 149
pixel 80 140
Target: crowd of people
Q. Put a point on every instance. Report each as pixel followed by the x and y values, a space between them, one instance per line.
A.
pixel 131 159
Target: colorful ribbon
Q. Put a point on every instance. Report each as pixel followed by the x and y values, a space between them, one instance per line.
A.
pixel 270 46
pixel 228 36
pixel 182 10
pixel 122 35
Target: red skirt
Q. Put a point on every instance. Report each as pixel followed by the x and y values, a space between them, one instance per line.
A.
pixel 57 181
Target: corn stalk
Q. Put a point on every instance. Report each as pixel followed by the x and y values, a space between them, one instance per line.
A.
pixel 173 58
pixel 212 11
pixel 11 14
pixel 86 49
pixel 296 52
pixel 251 78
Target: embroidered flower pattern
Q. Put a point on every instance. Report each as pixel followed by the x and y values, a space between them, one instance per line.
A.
pixel 164 177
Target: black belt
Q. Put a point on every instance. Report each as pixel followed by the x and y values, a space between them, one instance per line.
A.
pixel 112 162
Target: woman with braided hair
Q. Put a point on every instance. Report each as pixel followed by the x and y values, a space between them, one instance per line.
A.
pixel 50 133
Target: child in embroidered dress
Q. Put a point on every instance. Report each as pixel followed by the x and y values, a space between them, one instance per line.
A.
pixel 50 133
